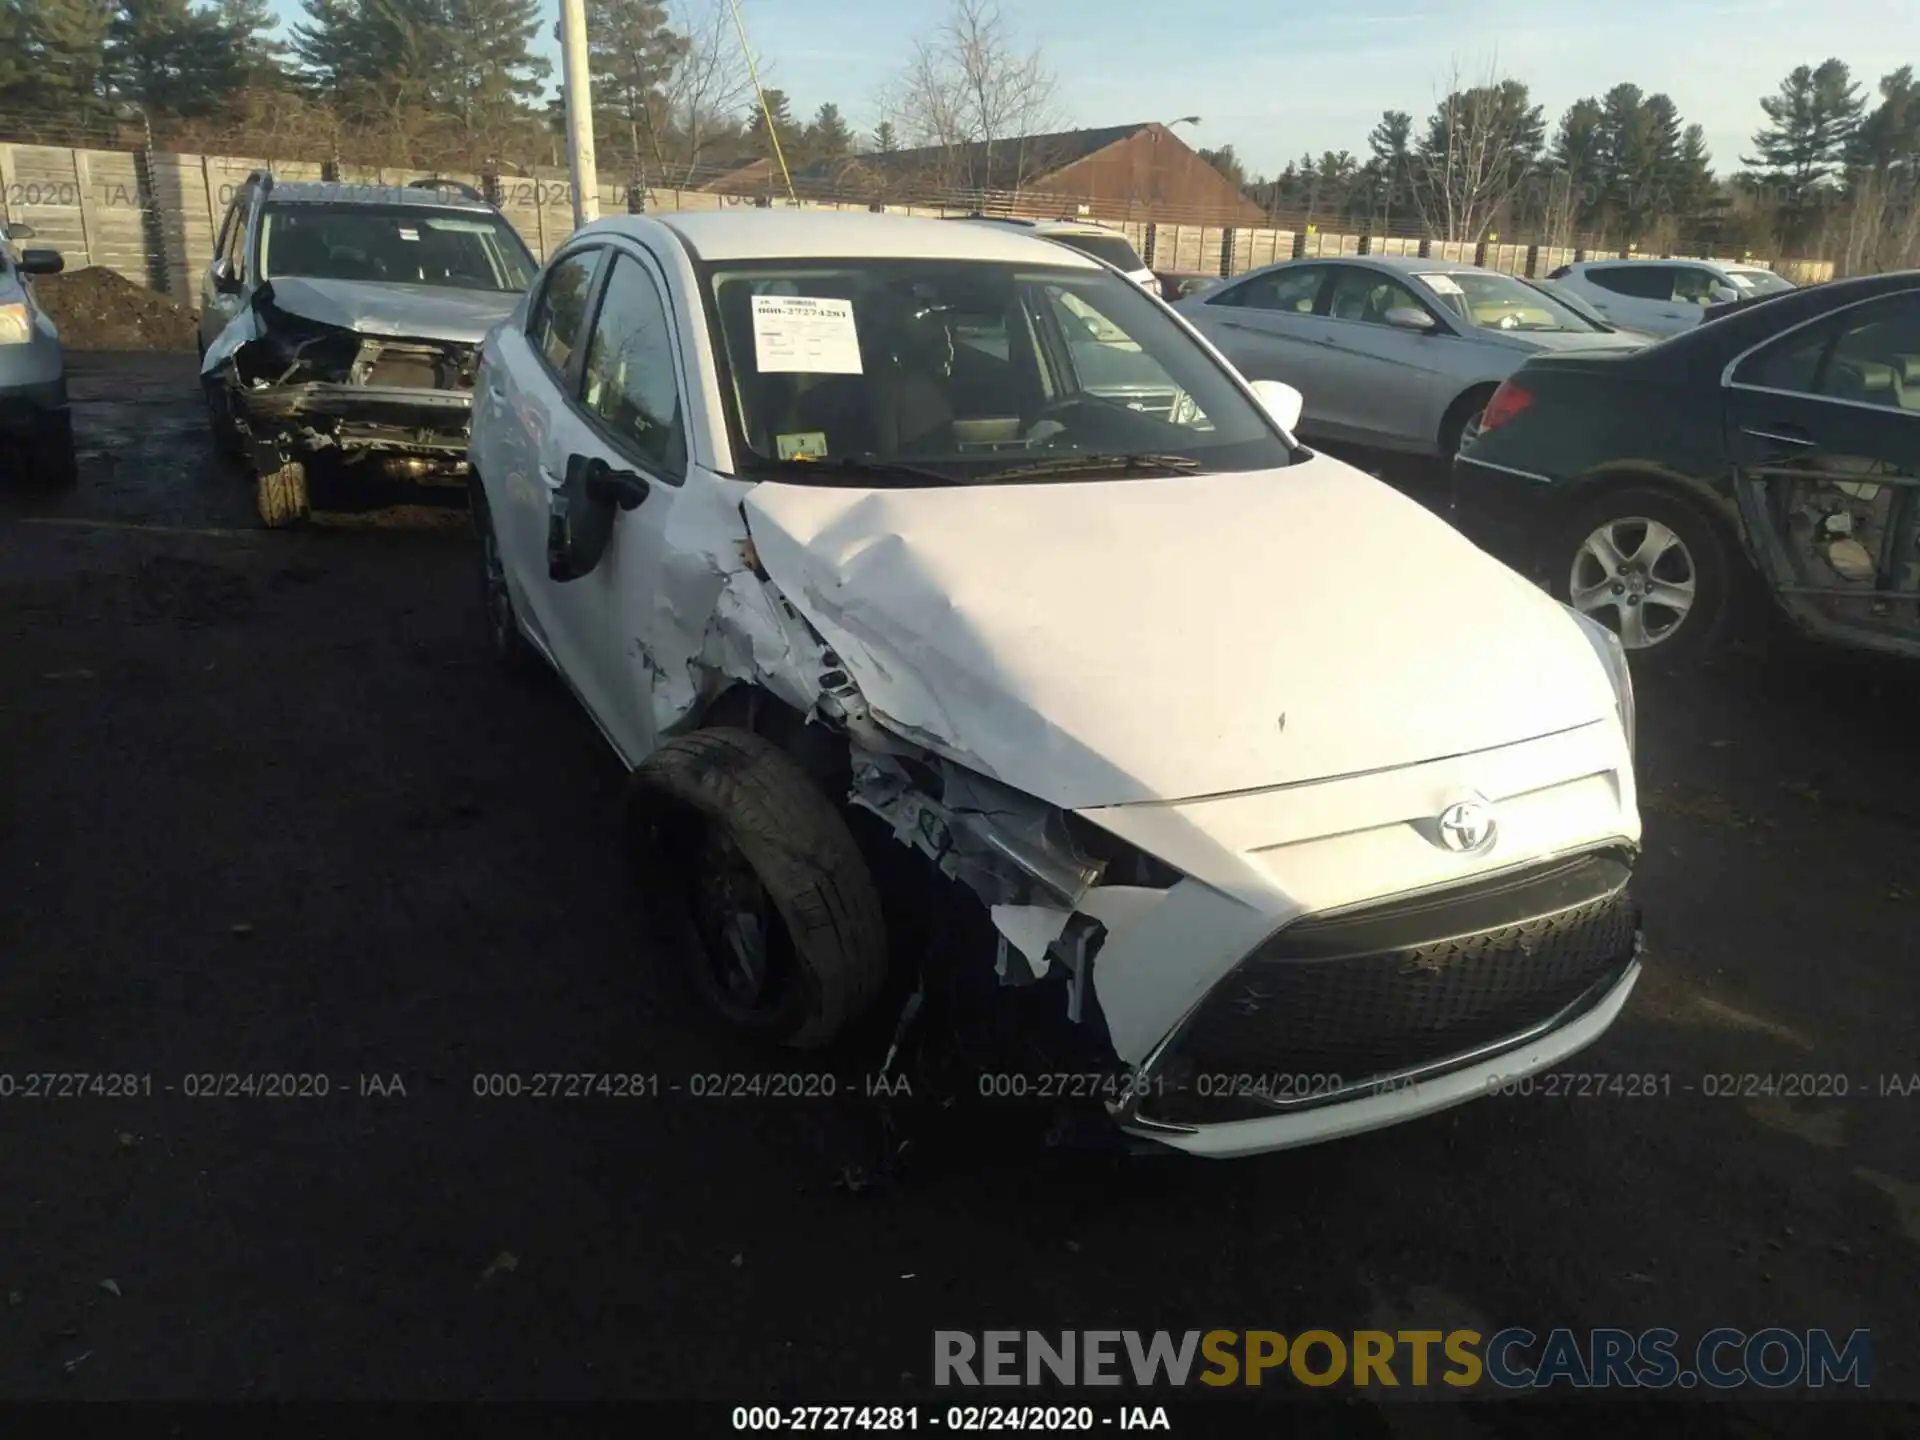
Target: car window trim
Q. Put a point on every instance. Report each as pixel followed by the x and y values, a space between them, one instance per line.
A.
pixel 568 383
pixel 1727 382
pixel 576 393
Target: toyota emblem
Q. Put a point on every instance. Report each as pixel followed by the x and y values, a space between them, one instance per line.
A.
pixel 1468 826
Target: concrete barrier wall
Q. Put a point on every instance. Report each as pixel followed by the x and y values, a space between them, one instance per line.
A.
pixel 153 218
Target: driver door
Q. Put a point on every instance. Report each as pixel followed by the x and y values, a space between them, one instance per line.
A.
pixel 1376 383
pixel 625 639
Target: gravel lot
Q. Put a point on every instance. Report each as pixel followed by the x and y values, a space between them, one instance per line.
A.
pixel 267 808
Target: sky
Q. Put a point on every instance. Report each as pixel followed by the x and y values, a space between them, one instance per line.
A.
pixel 1277 79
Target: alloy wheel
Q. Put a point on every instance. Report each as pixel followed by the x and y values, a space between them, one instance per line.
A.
pixel 1637 576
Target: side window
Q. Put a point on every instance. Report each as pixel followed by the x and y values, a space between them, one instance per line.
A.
pixel 1694 287
pixel 560 310
pixel 1869 355
pixel 632 389
pixel 1877 358
pixel 1642 282
pixel 1290 291
pixel 1367 296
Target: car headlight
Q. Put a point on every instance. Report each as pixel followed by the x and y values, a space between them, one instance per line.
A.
pixel 1613 658
pixel 16 326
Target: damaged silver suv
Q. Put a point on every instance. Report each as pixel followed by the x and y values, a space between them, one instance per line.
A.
pixel 340 324
pixel 959 684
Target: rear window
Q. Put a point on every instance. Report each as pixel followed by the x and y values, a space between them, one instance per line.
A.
pixel 1116 250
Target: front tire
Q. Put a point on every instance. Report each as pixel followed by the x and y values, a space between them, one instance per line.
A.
pixel 281 495
pixel 1653 567
pixel 510 646
pixel 771 906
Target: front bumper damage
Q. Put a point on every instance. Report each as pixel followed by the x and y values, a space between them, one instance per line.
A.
pixel 1243 972
pixel 297 388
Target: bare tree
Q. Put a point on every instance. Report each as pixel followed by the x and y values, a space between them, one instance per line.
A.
pixel 974 94
pixel 703 97
pixel 1478 151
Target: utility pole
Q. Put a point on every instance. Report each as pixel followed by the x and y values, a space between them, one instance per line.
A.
pixel 579 95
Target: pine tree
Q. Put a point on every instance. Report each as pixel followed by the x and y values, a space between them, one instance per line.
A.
pixel 1389 166
pixel 1888 140
pixel 885 142
pixel 259 55
pixel 632 52
pixel 488 74
pixel 1579 160
pixel 170 59
pixel 827 139
pixel 788 133
pixel 1814 117
pixel 57 60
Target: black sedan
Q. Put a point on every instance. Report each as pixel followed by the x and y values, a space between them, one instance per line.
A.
pixel 1779 444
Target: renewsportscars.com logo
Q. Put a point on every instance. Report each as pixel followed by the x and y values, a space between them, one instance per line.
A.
pixel 1511 1359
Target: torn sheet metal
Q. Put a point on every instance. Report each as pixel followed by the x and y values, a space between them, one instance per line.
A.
pixel 243 327
pixel 1090 642
pixel 1030 929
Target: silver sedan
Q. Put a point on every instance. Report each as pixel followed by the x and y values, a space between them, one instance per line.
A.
pixel 1390 352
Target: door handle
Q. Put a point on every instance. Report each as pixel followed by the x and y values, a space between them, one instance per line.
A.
pixel 1779 438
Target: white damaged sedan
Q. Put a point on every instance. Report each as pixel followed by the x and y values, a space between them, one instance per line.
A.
pixel 970 627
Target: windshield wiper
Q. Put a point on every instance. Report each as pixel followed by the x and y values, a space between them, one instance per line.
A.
pixel 873 465
pixel 1077 464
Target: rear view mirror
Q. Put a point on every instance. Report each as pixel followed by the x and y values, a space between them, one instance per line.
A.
pixel 42 262
pixel 18 232
pixel 1723 294
pixel 1281 401
pixel 224 279
pixel 1406 317
pixel 580 515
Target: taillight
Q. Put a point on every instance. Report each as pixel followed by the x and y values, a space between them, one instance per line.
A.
pixel 1508 401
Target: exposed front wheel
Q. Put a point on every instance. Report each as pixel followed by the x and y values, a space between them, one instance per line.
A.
pixel 281 495
pixel 510 646
pixel 766 898
pixel 1652 567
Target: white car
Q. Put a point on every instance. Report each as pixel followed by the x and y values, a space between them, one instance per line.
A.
pixel 1663 297
pixel 1104 244
pixel 1291 811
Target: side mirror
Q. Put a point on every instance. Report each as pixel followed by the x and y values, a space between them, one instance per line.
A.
pixel 1281 401
pixel 18 232
pixel 1406 317
pixel 224 280
pixel 42 262
pixel 1723 294
pixel 580 515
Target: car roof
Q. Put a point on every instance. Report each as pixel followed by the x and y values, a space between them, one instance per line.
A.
pixel 1400 264
pixel 341 192
pixel 785 234
pixel 1046 227
pixel 1758 319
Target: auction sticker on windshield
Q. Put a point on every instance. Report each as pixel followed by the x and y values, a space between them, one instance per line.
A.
pixel 806 335
pixel 1441 284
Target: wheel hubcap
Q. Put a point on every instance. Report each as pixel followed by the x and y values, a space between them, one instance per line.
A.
pixel 1636 576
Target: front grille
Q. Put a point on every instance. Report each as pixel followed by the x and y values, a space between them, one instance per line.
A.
pixel 1332 1003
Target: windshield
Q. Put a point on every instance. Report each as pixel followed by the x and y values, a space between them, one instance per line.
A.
pixel 896 372
pixel 1499 302
pixel 1116 250
pixel 1759 282
pixel 394 244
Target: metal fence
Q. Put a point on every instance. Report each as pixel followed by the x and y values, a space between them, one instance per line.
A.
pixel 152 216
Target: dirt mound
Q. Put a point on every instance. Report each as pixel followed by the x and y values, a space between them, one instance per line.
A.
pixel 100 309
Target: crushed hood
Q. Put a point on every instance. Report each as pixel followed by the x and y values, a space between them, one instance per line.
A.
pixel 1099 643
pixel 414 312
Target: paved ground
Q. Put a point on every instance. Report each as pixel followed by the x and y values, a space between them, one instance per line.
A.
pixel 267 808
